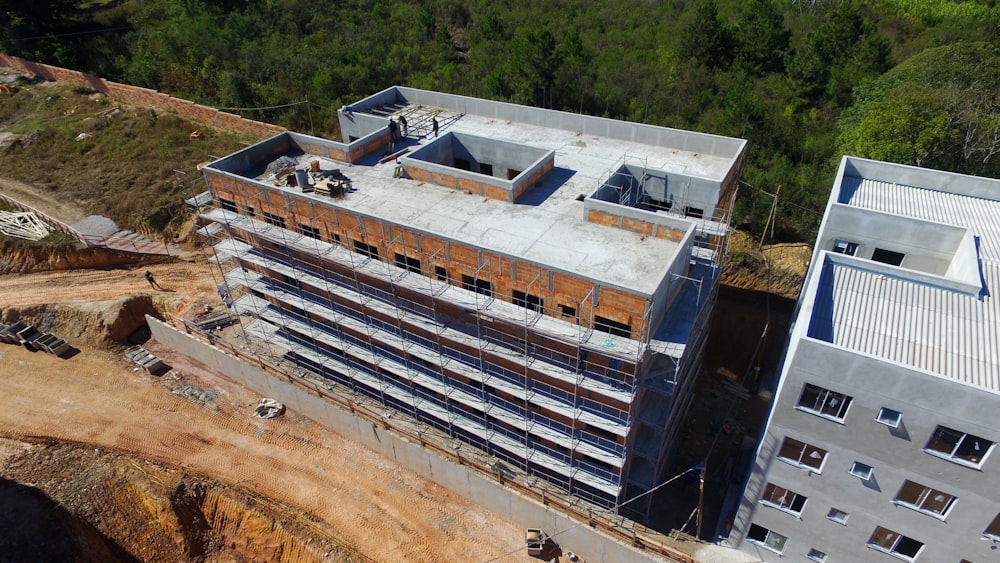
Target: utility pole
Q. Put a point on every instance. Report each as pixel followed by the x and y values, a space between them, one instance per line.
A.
pixel 771 215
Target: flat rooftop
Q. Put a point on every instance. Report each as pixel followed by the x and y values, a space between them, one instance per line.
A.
pixel 907 316
pixel 547 225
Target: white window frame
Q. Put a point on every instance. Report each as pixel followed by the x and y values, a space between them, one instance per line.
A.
pixel 862 471
pixel 763 543
pixel 994 524
pixel 842 521
pixel 798 462
pixel 958 445
pixel 816 555
pixel 922 498
pixel 895 543
pixel 841 246
pixel 786 501
pixel 824 396
pixel 881 419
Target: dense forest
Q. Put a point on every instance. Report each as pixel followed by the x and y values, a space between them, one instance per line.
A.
pixel 910 81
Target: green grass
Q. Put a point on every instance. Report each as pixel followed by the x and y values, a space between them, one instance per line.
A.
pixel 124 169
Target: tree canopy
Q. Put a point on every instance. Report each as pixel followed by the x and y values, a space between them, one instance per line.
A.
pixel 802 80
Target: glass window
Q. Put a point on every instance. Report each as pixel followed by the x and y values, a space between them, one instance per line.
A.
pixel 816 555
pixel 993 530
pixel 925 499
pixel 783 499
pixel 801 454
pixel 888 541
pixel 861 470
pixel 889 417
pixel 771 540
pixel 958 446
pixel 838 516
pixel 845 247
pixel 824 402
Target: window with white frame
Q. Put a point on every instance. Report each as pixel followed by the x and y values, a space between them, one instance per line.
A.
pixel 993 530
pixel 884 539
pixel 771 540
pixel 783 499
pixel 823 402
pixel 845 247
pixel 889 417
pixel 838 516
pixel 816 555
pixel 925 499
pixel 861 470
pixel 959 447
pixel 802 454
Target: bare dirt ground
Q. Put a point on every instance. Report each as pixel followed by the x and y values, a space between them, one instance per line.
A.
pixel 383 511
pixel 45 201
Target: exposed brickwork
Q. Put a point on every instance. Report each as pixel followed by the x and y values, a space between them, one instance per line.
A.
pixel 459 259
pixel 144 97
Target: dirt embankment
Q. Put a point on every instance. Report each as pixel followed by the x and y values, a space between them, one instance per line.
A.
pixel 94 505
pixel 777 268
pixel 42 259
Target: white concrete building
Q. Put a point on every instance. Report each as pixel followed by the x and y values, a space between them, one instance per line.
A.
pixel 880 442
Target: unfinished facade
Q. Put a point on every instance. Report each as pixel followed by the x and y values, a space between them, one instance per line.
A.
pixel 529 283
pixel 880 439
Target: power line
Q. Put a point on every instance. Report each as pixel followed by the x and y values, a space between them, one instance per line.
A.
pixel 93 31
pixel 263 108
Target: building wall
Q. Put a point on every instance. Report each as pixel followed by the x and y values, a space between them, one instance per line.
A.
pixel 506 273
pixel 460 479
pixel 926 401
pixel 143 97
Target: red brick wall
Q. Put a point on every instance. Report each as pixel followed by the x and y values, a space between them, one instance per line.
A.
pixel 459 259
pixel 144 97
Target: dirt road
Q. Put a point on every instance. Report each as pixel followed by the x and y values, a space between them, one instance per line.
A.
pixel 388 513
pixel 56 205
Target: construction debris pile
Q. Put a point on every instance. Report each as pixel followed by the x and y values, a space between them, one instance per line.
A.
pixel 268 408
pixel 24 225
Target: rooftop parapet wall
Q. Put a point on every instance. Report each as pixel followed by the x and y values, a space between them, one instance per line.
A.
pixel 703 143
pixel 951 182
pixel 143 97
pixel 436 163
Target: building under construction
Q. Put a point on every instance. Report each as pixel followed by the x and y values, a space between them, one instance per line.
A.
pixel 530 283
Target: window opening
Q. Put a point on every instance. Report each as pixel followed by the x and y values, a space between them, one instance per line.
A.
pixel 441 272
pixel 861 470
pixel 889 417
pixel 276 220
pixel 368 250
pixel 888 541
pixel 824 402
pixel 486 169
pixel 463 164
pixel 483 287
pixel 993 530
pixel 309 231
pixel 888 257
pixel 227 204
pixel 845 247
pixel 527 300
pixel 612 327
pixel 925 499
pixel 816 555
pixel 567 311
pixel 783 499
pixel 958 446
pixel 694 212
pixel 408 263
pixel 801 454
pixel 838 516
pixel 771 540
pixel 511 173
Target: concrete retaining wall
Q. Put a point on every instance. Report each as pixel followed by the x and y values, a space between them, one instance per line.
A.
pixel 464 481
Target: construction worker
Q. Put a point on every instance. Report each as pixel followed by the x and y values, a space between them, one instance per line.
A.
pixel 434 125
pixel 393 130
pixel 406 126
pixel 152 282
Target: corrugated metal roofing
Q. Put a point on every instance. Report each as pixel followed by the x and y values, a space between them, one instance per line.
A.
pixel 933 328
pixel 980 215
